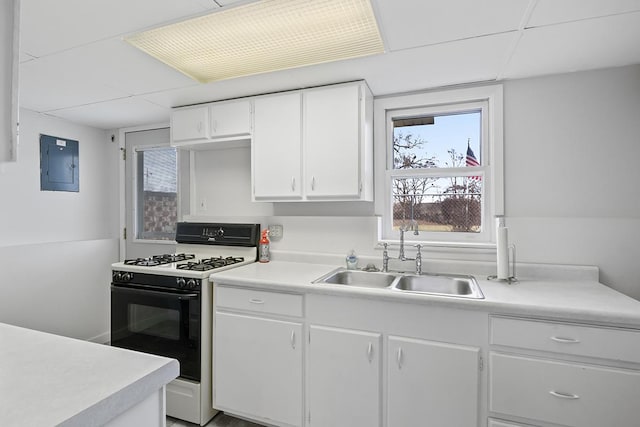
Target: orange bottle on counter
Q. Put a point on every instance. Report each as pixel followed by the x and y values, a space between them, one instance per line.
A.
pixel 264 246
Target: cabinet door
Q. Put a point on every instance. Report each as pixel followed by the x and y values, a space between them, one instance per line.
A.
pixel 332 142
pixel 432 383
pixel 230 118
pixel 258 368
pixel 344 378
pixel 190 124
pixel 276 147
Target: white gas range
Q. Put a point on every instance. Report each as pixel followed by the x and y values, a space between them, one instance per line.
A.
pixel 163 305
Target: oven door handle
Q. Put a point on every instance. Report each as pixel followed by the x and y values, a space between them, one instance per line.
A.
pixel 157 293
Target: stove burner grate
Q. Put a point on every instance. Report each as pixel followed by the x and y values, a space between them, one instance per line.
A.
pixel 210 263
pixel 159 259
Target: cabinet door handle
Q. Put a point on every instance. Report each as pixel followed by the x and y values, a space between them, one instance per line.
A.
pixel 370 352
pixel 293 339
pixel 313 183
pixel 561 395
pixel 565 340
pixel 199 127
pixel 256 301
pixel 215 126
pixel 293 183
pixel 399 358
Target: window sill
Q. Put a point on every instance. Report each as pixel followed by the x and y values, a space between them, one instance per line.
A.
pixel 490 247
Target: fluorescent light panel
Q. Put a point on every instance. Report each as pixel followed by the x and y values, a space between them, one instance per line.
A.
pixel 264 36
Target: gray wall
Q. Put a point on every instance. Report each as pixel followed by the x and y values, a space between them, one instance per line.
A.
pixel 56 247
pixel 572 144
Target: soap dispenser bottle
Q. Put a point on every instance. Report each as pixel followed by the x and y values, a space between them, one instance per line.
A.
pixel 352 260
pixel 264 246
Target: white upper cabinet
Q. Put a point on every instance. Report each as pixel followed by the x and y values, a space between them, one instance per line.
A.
pixel 232 118
pixel 276 147
pixel 190 124
pixel 320 140
pixel 332 131
pixel 205 126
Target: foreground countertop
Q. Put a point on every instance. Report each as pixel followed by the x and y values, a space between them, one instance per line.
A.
pixel 577 300
pixel 48 380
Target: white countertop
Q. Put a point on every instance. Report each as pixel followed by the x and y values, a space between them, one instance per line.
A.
pixel 48 380
pixel 577 300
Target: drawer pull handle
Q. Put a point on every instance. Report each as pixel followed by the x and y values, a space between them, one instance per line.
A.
pixel 564 395
pixel 399 358
pixel 370 352
pixel 293 339
pixel 256 301
pixel 565 340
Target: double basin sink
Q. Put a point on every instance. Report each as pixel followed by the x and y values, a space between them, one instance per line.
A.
pixel 432 284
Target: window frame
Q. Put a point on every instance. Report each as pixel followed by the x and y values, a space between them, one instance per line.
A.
pixel 137 189
pixel 489 100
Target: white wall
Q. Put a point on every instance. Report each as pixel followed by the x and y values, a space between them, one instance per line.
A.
pixel 572 144
pixel 76 233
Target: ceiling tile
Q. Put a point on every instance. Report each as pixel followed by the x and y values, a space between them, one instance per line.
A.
pixel 477 59
pixel 119 113
pixel 410 23
pixel 580 45
pixel 463 61
pixel 53 26
pixel 50 85
pixel 549 12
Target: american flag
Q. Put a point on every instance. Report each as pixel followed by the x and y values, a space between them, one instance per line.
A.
pixel 471 160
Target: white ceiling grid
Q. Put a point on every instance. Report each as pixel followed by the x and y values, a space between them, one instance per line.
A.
pixel 75 65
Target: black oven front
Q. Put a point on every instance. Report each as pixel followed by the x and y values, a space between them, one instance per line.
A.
pixel 158 315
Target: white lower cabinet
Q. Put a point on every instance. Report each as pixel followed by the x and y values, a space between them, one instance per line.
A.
pixel 567 374
pixel 344 378
pixel 432 383
pixel 571 394
pixel 258 368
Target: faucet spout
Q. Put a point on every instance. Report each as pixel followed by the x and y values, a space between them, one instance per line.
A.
pixel 385 258
pixel 419 259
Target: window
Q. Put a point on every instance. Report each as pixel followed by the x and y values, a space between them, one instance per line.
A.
pixel 157 195
pixel 443 165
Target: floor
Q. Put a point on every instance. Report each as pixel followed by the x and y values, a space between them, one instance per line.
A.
pixel 220 420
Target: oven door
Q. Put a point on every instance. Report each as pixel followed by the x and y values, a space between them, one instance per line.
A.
pixel 162 322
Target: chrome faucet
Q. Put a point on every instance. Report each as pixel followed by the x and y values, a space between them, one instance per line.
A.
pixel 385 258
pixel 401 255
pixel 419 259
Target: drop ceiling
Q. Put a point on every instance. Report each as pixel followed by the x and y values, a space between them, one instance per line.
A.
pixel 75 65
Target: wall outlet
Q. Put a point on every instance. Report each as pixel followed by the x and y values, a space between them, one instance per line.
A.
pixel 275 232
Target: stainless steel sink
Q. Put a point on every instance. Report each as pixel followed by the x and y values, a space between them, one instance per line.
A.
pixel 360 278
pixel 453 285
pixel 431 284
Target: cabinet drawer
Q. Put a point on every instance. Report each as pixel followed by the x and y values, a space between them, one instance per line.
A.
pixel 557 337
pixel 259 301
pixel 558 392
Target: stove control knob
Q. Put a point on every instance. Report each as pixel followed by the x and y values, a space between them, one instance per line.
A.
pixel 181 282
pixel 220 232
pixel 191 283
pixel 116 275
pixel 126 277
